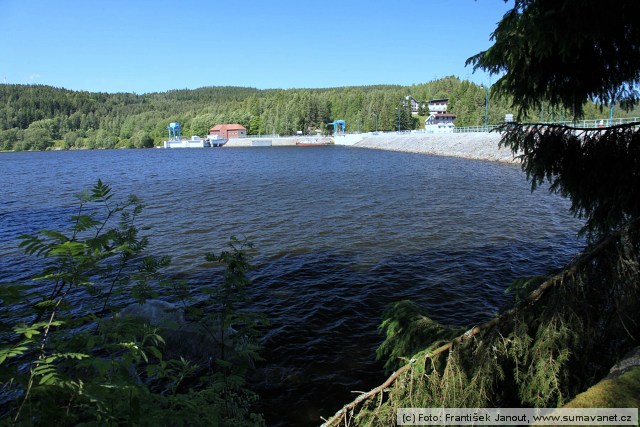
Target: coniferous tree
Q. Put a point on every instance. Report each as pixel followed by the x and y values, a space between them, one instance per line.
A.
pixel 113 120
pixel 571 327
pixel 558 56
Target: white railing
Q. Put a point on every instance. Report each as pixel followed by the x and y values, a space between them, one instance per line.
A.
pixel 468 129
pixel 598 123
pixel 588 124
pixel 591 124
pixel 263 136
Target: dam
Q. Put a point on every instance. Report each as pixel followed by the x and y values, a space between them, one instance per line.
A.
pixel 472 145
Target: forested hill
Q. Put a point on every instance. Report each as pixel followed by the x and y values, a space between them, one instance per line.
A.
pixel 36 117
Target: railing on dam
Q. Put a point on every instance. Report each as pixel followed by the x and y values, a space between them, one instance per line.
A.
pixel 273 135
pixel 586 124
pixel 469 129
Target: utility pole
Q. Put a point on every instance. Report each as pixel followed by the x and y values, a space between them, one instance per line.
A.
pixel 611 113
pixel 486 107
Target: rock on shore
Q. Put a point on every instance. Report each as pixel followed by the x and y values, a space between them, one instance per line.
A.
pixel 477 145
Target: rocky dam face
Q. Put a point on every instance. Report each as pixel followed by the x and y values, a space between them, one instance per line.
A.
pixel 474 145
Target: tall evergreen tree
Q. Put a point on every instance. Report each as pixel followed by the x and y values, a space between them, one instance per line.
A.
pixel 560 54
pixel 566 52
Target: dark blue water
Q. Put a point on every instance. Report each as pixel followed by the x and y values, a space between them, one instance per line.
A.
pixel 339 233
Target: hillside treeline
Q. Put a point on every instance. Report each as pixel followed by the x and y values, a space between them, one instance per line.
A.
pixel 36 117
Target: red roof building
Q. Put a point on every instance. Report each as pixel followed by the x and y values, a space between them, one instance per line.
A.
pixel 229 131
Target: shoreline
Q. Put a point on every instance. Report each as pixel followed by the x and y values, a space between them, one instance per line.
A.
pixel 474 146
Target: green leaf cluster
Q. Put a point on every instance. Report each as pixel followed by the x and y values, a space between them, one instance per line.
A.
pixel 71 360
pixel 408 330
pixel 558 341
pixel 42 117
pixel 565 53
pixel 566 334
pixel 598 170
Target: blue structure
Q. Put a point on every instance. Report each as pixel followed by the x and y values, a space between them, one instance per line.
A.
pixel 338 127
pixel 174 131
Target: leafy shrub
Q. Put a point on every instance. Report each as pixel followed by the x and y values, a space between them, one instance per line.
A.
pixel 71 362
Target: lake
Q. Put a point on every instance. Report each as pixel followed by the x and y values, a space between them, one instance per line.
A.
pixel 339 233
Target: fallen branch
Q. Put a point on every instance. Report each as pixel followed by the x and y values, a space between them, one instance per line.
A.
pixel 534 296
pixel 340 414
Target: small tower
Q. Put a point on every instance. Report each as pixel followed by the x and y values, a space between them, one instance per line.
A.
pixel 338 127
pixel 174 131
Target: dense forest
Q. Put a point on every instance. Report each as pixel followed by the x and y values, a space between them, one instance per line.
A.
pixel 36 117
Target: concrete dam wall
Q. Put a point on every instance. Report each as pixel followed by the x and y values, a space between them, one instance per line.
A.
pixel 478 145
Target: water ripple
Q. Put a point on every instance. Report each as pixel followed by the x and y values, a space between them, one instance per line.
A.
pixel 339 234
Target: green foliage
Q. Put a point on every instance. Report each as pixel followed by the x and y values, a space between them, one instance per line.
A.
pixel 409 330
pixel 42 117
pixel 473 373
pixel 616 392
pixel 524 286
pixel 32 117
pixel 542 381
pixel 565 52
pixel 562 338
pixel 598 170
pixel 74 364
pixel 570 330
pixel 201 124
pixel 237 328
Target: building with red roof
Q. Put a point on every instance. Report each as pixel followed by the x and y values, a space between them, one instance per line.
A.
pixel 229 131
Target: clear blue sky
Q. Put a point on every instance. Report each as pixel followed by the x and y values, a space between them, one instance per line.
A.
pixel 153 46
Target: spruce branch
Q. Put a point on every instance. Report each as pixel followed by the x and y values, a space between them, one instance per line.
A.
pixel 572 269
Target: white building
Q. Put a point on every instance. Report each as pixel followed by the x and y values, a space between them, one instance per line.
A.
pixel 194 142
pixel 439 120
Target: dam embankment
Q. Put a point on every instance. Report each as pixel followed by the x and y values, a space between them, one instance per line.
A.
pixel 476 145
